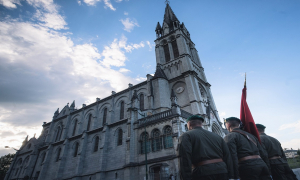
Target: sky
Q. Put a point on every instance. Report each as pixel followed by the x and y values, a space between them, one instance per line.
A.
pixel 54 52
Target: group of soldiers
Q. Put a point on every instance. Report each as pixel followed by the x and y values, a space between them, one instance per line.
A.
pixel 204 155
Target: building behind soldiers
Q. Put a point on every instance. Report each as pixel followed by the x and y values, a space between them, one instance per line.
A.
pixel 108 138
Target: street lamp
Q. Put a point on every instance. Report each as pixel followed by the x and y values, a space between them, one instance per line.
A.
pixel 11 148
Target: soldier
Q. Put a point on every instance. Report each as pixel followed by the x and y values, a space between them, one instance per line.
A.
pixel 202 154
pixel 247 154
pixel 279 167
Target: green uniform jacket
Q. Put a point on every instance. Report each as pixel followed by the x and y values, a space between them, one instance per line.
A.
pixel 273 148
pixel 240 147
pixel 198 145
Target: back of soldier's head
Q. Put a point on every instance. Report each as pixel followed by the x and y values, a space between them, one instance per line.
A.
pixel 261 128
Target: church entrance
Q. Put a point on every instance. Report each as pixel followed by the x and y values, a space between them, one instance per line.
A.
pixel 159 172
pixel 156 173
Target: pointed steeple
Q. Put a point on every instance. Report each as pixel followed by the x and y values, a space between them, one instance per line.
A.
pixel 72 107
pixel 56 113
pixel 158 27
pixel 169 16
pixel 159 73
pixel 134 96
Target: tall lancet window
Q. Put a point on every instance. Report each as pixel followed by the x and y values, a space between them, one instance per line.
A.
pixel 175 48
pixel 104 116
pixel 76 149
pixel 120 137
pixel 167 52
pixel 58 134
pixel 58 154
pixel 145 146
pixel 142 108
pixel 96 144
pixel 156 140
pixel 74 128
pixel 168 140
pixel 122 110
pixel 89 122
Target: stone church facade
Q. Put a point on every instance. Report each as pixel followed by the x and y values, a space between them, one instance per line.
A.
pixel 108 139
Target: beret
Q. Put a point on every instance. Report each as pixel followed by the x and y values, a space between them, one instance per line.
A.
pixel 230 119
pixel 260 126
pixel 195 117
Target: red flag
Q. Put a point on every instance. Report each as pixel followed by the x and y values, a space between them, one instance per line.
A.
pixel 246 116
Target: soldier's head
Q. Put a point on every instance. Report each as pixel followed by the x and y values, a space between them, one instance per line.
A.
pixel 194 121
pixel 232 123
pixel 261 128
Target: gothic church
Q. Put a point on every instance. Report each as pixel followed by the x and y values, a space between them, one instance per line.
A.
pixel 108 139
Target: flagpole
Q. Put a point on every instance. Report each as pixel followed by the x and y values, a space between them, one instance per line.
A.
pixel 245 80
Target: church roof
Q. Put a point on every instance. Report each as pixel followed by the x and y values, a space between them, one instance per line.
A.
pixel 169 16
pixel 159 73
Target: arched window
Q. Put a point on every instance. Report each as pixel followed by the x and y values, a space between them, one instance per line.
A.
pixel 43 158
pixel 89 122
pixel 120 137
pixel 122 110
pixel 96 144
pixel 76 149
pixel 142 102
pixel 58 154
pixel 167 52
pixel 58 133
pixel 175 48
pixel 104 116
pixel 156 141
pixel 168 140
pixel 75 126
pixel 145 143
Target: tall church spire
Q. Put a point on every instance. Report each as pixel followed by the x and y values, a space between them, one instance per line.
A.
pixel 170 17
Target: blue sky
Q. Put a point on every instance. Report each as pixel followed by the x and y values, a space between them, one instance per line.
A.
pixel 54 52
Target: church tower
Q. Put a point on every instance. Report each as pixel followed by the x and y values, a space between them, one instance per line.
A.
pixel 179 63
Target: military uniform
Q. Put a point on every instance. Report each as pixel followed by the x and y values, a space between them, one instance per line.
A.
pixel 250 161
pixel 279 167
pixel 197 147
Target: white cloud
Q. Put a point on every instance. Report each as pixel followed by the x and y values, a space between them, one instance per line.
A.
pixel 295 126
pixel 114 54
pixel 129 24
pixel 46 70
pixel 10 3
pixel 126 13
pixel 91 2
pixel 123 70
pixel 106 2
pixel 47 12
pixel 140 79
pixel 150 45
pixel 79 2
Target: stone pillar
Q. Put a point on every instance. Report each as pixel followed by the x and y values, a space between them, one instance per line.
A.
pixel 66 127
pixel 50 133
pixel 171 50
pixel 190 87
pixel 63 158
pixel 48 158
pixel 182 45
pixel 104 153
pixel 82 152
